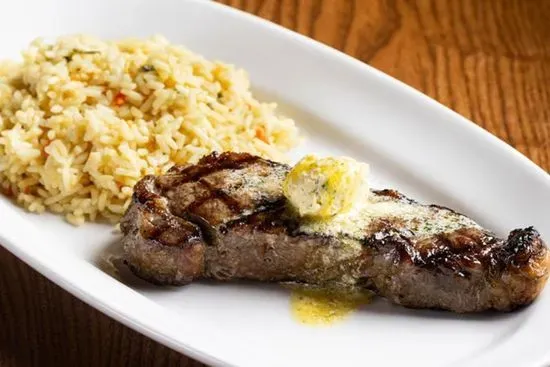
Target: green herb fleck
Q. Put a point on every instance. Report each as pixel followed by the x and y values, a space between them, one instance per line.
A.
pixel 75 51
pixel 86 52
pixel 146 68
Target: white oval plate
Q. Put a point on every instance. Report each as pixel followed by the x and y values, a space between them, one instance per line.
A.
pixel 413 144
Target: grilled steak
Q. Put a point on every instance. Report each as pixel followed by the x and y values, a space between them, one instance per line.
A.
pixel 226 218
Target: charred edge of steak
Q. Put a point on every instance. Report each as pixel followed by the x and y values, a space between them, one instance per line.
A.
pixel 159 247
pixel 464 248
pixel 394 194
pixel 467 270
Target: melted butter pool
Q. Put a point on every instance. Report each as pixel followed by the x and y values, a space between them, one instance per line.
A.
pixel 321 307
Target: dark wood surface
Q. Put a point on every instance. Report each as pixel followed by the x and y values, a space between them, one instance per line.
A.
pixel 487 59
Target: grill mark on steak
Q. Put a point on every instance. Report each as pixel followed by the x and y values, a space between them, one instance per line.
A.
pixel 275 212
pixel 231 203
pixel 226 218
pixel 211 164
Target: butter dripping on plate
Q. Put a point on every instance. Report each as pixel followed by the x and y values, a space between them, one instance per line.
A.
pixel 324 307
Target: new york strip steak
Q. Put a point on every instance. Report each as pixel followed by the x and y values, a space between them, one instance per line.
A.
pixel 226 218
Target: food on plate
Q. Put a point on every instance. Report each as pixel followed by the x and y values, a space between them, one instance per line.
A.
pixel 324 187
pixel 82 120
pixel 227 218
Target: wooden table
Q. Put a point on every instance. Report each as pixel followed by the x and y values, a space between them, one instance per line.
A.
pixel 488 60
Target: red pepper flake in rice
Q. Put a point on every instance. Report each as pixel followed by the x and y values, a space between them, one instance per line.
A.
pixel 119 99
pixel 260 134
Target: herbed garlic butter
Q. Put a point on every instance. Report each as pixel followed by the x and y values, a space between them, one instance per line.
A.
pixel 323 187
pixel 332 197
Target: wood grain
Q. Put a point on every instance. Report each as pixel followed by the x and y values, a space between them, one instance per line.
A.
pixel 488 60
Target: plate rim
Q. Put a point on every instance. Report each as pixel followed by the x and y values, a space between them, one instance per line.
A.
pixel 148 326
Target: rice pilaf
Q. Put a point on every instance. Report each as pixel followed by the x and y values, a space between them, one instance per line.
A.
pixel 82 120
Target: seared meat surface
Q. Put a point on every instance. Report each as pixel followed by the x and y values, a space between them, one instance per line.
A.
pixel 226 218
